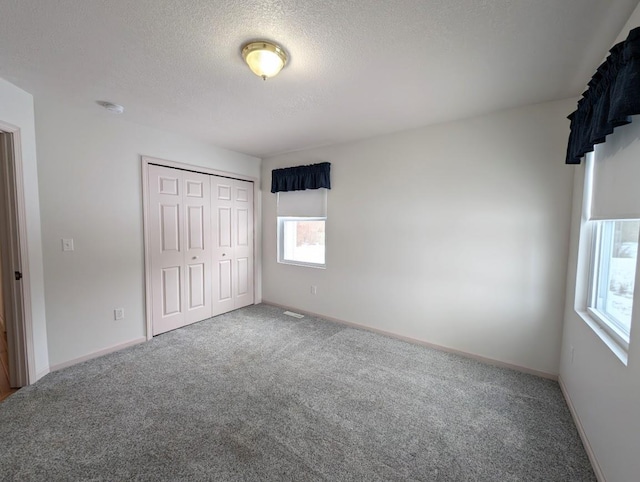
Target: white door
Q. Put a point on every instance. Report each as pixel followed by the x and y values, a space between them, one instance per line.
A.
pixel 232 224
pixel 243 254
pixel 179 231
pixel 197 252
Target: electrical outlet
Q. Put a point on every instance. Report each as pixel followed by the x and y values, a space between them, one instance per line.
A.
pixel 314 290
pixel 118 314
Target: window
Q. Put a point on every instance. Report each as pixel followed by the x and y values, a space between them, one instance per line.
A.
pixel 302 217
pixel 301 241
pixel 608 258
pixel 613 273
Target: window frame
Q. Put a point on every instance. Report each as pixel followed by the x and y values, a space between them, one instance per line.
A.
pixel 280 242
pixel 609 324
pixel 587 241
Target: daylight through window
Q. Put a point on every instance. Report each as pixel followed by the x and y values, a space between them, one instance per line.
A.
pixel 302 240
pixel 302 217
pixel 613 276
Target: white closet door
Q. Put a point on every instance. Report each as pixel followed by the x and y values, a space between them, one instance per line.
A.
pixel 198 249
pixel 243 253
pixel 222 216
pixel 167 258
pixel 232 224
pixel 180 238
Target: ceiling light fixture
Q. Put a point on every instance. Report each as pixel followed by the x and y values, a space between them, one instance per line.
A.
pixel 111 107
pixel 265 59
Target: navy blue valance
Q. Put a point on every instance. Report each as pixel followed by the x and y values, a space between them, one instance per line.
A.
pixel 313 176
pixel 612 98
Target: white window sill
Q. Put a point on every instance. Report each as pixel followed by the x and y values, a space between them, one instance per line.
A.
pixel 608 340
pixel 302 264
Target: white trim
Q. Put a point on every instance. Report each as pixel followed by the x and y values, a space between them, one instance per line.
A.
pixel 147 254
pixel 620 338
pixel 417 341
pixel 599 329
pixel 583 436
pixel 42 373
pixel 302 264
pixel 22 366
pixel 145 161
pixel 99 353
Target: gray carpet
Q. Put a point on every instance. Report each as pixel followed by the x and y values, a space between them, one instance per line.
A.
pixel 256 395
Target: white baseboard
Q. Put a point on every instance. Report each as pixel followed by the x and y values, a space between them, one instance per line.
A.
pixel 98 353
pixel 583 436
pixel 43 372
pixel 417 341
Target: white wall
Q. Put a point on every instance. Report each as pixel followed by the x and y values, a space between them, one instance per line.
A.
pixel 90 189
pixel 16 108
pixel 454 234
pixel 604 392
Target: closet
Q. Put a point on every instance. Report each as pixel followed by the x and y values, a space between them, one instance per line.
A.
pixel 200 246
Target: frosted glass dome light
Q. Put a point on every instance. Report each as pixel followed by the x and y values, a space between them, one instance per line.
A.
pixel 265 59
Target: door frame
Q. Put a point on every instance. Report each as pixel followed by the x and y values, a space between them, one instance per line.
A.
pixel 15 255
pixel 145 162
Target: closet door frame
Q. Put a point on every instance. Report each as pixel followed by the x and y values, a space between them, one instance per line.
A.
pixel 145 162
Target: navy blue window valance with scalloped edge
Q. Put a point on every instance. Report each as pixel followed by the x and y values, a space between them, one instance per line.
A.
pixel 300 178
pixel 612 97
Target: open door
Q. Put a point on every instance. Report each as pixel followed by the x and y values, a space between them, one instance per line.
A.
pixel 14 266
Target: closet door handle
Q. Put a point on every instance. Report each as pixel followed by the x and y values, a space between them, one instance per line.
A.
pixel 224 254
pixel 195 257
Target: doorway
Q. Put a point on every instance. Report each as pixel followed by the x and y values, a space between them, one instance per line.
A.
pixel 5 384
pixel 17 367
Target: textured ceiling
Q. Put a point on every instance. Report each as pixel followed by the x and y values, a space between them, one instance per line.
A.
pixel 357 68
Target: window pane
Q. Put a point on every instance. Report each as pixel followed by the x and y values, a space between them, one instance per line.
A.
pixel 617 271
pixel 303 241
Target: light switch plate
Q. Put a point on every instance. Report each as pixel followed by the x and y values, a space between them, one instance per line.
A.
pixel 67 244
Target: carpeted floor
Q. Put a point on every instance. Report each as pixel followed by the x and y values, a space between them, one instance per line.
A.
pixel 256 395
